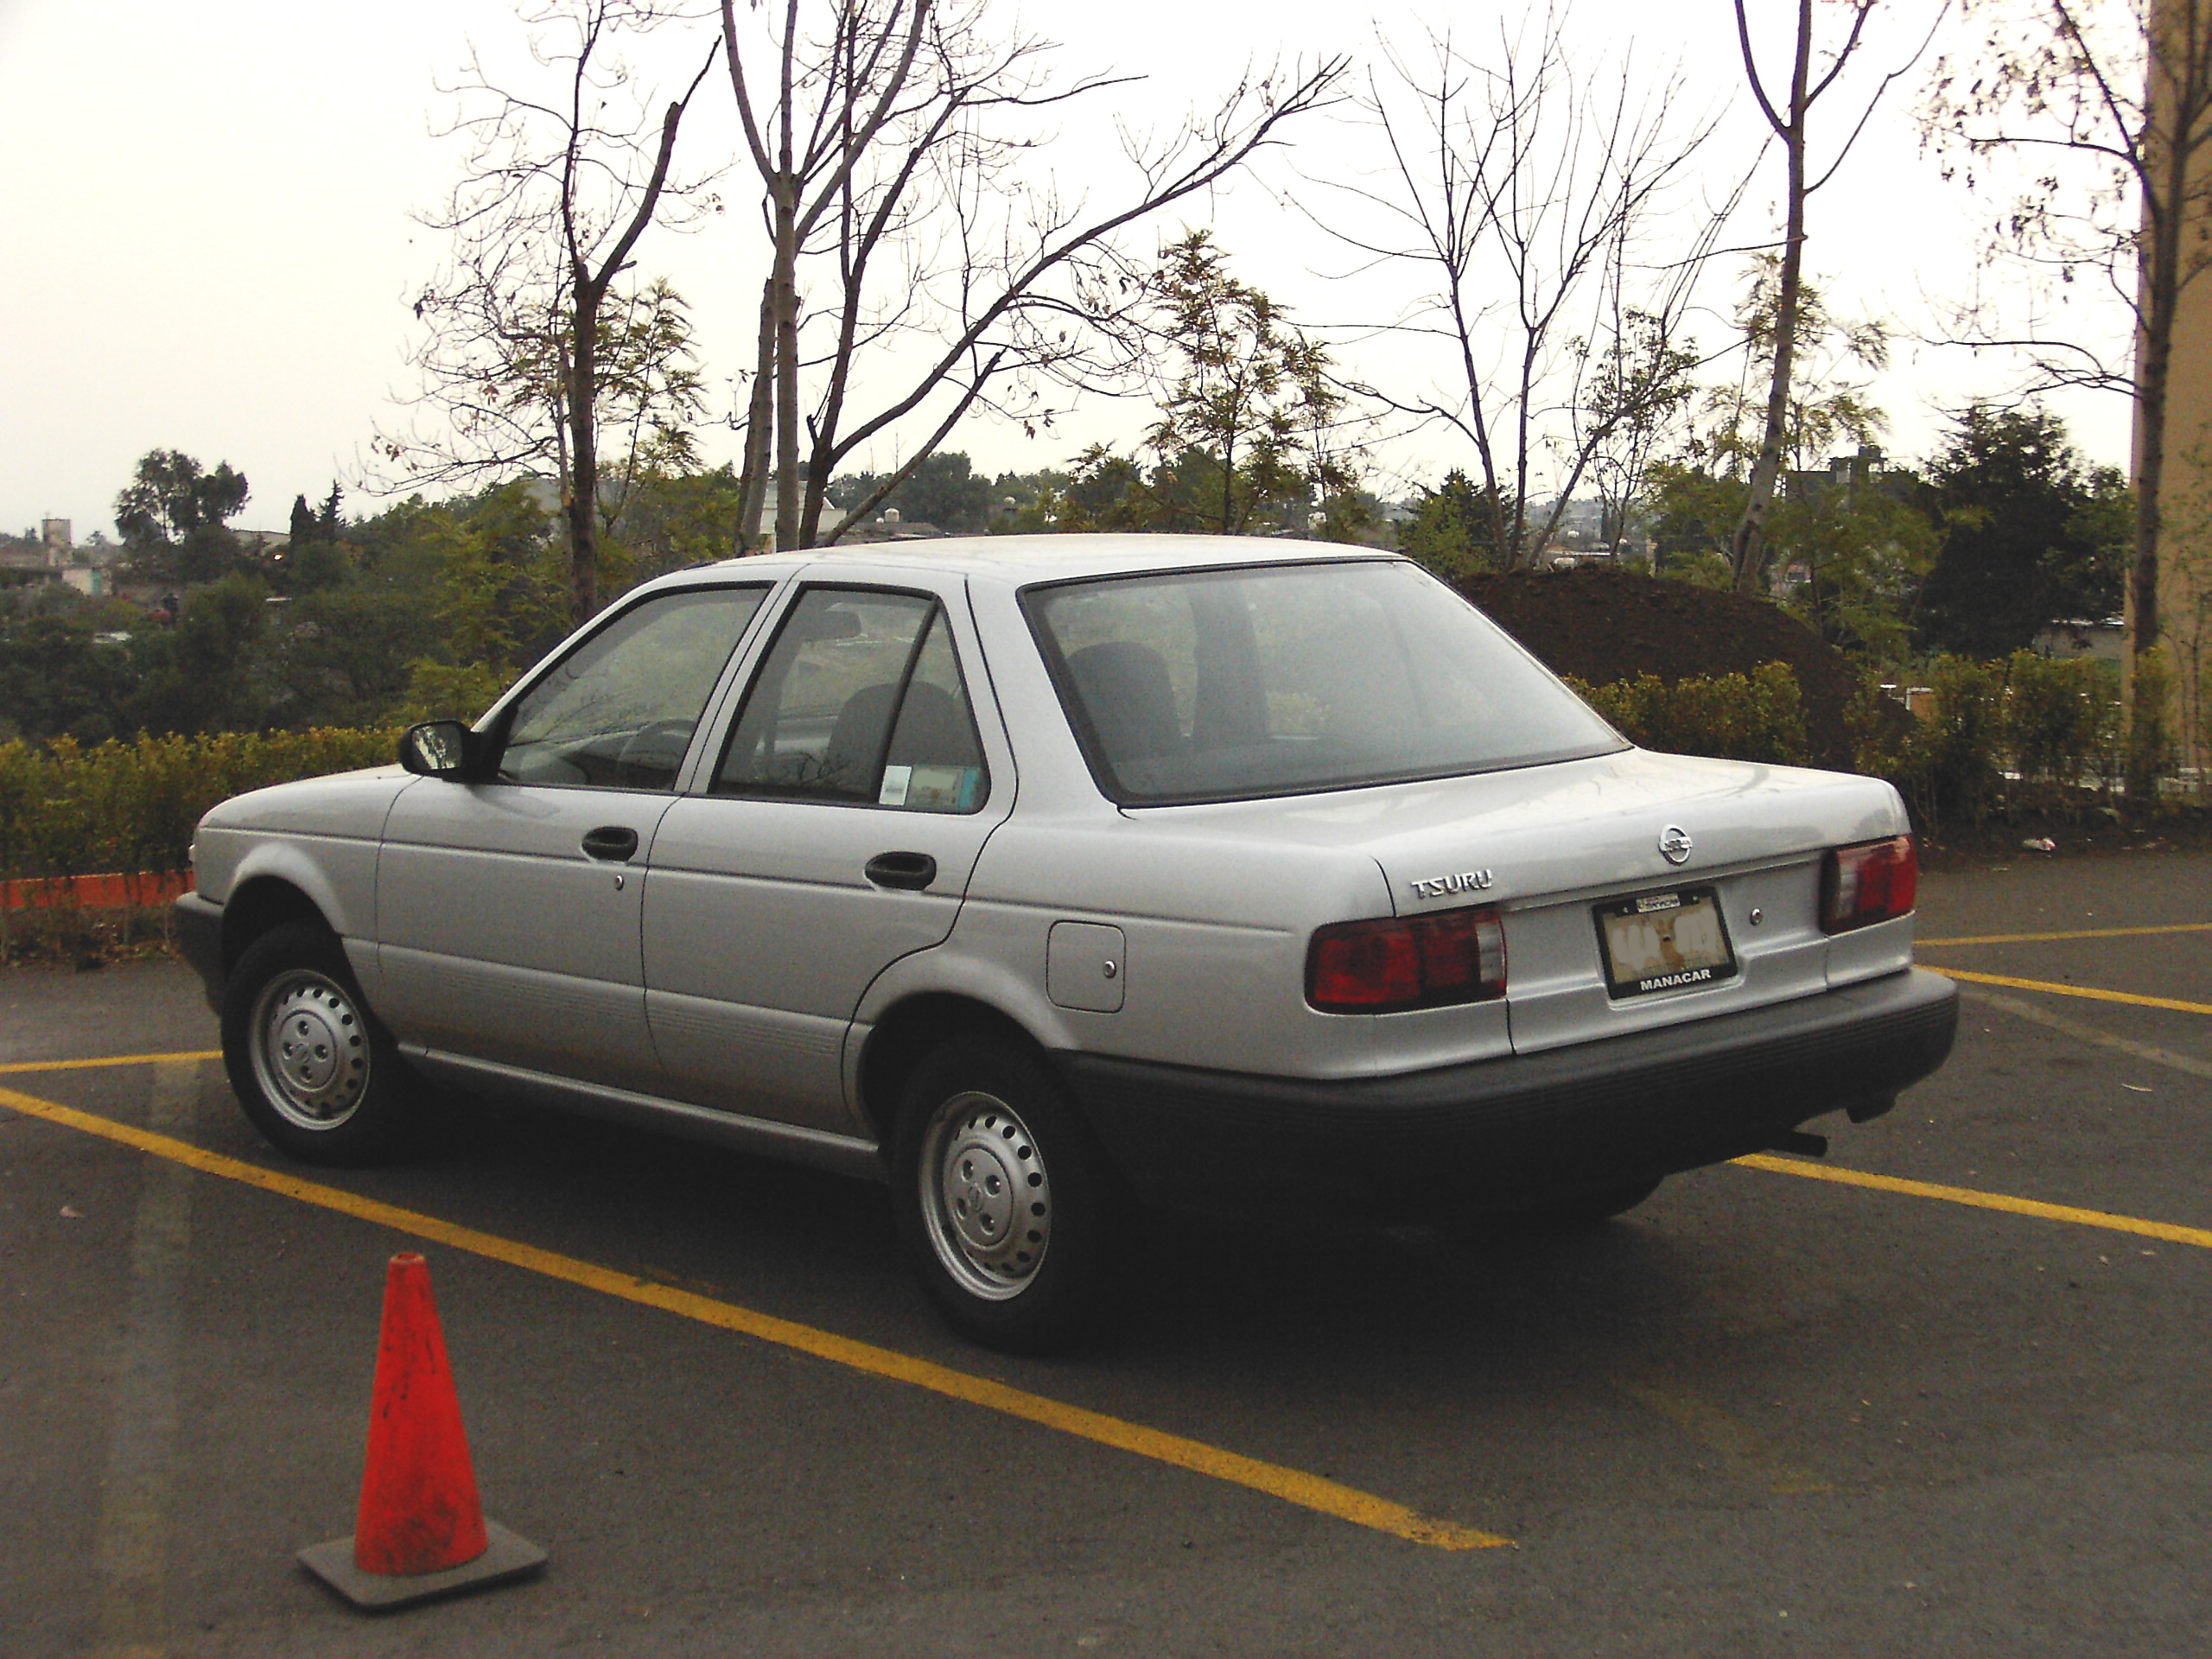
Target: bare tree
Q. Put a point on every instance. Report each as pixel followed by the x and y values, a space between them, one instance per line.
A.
pixel 2109 108
pixel 536 344
pixel 911 259
pixel 1810 81
pixel 1532 191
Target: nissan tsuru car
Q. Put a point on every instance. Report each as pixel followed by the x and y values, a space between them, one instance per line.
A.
pixel 1041 876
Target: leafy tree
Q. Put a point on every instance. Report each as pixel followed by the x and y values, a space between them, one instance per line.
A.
pixel 1253 394
pixel 675 518
pixel 1856 540
pixel 314 558
pixel 1453 530
pixel 1247 412
pixel 943 489
pixel 342 656
pixel 1640 390
pixel 1864 545
pixel 2032 534
pixel 1827 406
pixel 500 598
pixel 174 517
pixel 1695 509
pixel 56 678
pixel 199 676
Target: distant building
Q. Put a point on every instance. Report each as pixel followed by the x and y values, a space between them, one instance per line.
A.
pixel 891 526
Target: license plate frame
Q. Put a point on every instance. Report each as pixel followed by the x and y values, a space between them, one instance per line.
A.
pixel 1640 953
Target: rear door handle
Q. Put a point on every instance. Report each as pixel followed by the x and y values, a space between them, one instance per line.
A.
pixel 614 841
pixel 910 871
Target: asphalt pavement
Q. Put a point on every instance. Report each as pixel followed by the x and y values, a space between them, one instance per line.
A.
pixel 1946 1392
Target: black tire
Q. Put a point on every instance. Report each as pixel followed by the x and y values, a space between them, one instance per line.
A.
pixel 1007 1208
pixel 315 1073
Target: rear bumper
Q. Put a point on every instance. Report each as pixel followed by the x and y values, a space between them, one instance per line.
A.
pixel 1514 1130
pixel 199 937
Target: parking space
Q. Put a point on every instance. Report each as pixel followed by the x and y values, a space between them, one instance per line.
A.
pixel 1767 1413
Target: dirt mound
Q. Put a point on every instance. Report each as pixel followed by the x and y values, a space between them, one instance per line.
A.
pixel 1601 625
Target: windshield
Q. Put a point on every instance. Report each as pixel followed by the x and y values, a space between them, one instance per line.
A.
pixel 1219 684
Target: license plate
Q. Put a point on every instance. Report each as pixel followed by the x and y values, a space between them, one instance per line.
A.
pixel 1664 942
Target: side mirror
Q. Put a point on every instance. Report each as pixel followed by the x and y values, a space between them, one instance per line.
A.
pixel 443 748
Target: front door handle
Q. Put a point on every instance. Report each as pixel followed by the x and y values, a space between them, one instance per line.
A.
pixel 614 841
pixel 910 871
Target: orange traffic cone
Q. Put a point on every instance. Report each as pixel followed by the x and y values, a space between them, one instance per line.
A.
pixel 421 1531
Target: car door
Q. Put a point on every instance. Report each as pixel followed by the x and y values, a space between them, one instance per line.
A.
pixel 836 833
pixel 507 910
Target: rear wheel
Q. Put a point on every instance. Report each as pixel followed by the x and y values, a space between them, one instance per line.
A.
pixel 1004 1201
pixel 311 1067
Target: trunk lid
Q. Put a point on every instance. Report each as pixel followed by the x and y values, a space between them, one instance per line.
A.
pixel 1547 845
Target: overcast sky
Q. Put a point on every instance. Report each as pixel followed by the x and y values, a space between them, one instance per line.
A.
pixel 207 211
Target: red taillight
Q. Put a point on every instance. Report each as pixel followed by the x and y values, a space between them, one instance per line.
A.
pixel 1860 886
pixel 1422 962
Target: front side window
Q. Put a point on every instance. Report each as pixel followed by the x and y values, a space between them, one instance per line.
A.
pixel 618 711
pixel 1222 684
pixel 861 700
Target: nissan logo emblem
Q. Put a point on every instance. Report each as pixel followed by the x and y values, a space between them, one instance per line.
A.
pixel 1674 844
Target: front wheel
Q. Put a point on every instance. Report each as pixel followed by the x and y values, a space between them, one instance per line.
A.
pixel 311 1067
pixel 1004 1200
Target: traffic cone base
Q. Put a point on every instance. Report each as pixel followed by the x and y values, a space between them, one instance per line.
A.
pixel 420 1533
pixel 508 1557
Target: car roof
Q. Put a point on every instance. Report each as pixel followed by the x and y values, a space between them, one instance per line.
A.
pixel 1018 560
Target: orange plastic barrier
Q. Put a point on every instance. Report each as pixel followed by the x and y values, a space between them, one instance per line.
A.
pixel 110 892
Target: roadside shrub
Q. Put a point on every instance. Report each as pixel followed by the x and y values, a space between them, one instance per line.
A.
pixel 2149 744
pixel 2062 719
pixel 1759 716
pixel 66 810
pixel 1950 767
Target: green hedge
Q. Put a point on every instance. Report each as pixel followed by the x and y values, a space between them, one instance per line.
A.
pixel 69 811
pixel 2026 731
pixel 2023 732
pixel 1760 716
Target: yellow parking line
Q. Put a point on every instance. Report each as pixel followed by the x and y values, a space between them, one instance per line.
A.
pixel 2080 933
pixel 2199 1236
pixel 1291 1485
pixel 105 1059
pixel 2092 992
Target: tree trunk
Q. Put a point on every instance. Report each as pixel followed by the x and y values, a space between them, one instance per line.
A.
pixel 1748 552
pixel 760 424
pixel 580 501
pixel 791 490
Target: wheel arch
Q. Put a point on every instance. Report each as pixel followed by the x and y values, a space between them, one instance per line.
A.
pixel 260 903
pixel 910 1028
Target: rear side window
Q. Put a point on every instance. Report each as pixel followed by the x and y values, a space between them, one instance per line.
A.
pixel 861 700
pixel 1221 684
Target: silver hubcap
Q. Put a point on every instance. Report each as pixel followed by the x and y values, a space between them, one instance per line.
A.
pixel 310 1053
pixel 985 1196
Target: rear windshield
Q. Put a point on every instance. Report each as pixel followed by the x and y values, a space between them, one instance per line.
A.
pixel 1220 684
